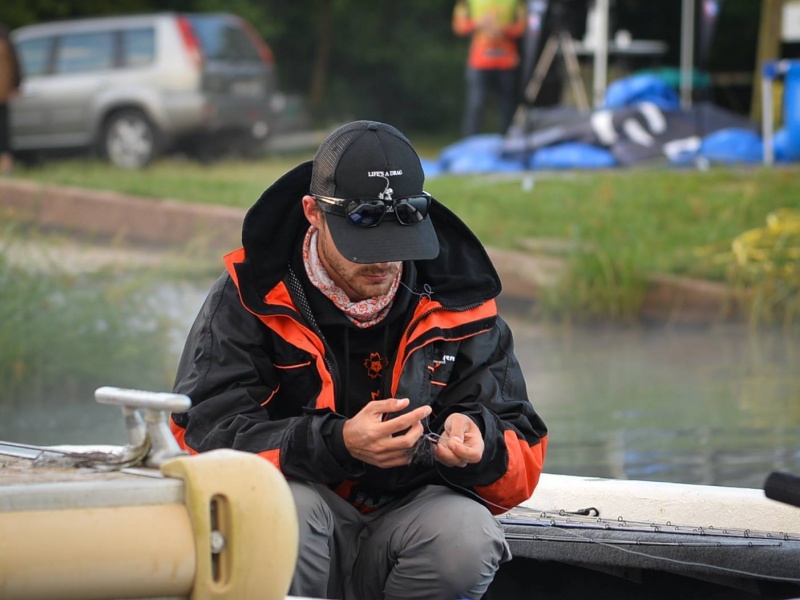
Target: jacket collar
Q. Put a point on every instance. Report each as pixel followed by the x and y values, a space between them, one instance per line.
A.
pixel 462 275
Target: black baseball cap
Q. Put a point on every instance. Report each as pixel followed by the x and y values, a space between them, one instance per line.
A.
pixel 364 159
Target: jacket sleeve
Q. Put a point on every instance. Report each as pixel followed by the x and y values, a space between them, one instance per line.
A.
pixel 487 384
pixel 517 27
pixel 462 22
pixel 227 371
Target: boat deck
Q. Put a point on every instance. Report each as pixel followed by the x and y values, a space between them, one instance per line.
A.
pixel 26 484
pixel 15 470
pixel 554 550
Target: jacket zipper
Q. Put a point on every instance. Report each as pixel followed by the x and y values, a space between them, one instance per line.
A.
pixel 413 325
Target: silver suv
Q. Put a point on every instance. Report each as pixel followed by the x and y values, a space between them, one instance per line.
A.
pixel 135 86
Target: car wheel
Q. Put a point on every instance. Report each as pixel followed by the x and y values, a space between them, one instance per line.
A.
pixel 251 147
pixel 130 140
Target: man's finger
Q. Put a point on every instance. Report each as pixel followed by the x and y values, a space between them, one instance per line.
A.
pixel 404 421
pixel 390 406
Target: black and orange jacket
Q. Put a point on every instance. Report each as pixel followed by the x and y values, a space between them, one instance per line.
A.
pixel 262 378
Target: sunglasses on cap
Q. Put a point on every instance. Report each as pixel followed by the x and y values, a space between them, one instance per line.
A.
pixel 369 212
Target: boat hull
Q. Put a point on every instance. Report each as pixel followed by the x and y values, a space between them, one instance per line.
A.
pixel 581 537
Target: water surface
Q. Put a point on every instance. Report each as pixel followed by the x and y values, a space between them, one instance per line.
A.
pixel 713 405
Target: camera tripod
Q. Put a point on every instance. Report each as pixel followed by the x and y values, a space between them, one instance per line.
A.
pixel 558 42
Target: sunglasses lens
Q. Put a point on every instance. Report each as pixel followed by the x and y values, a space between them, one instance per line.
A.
pixel 365 213
pixel 412 210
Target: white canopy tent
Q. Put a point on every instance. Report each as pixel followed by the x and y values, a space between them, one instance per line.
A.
pixel 600 66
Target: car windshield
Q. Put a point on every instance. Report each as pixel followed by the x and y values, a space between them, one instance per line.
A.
pixel 223 39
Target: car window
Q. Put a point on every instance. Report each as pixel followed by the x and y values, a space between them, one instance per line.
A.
pixel 34 55
pixel 84 52
pixel 223 40
pixel 138 47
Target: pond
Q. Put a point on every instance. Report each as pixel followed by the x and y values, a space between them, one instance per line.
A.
pixel 712 405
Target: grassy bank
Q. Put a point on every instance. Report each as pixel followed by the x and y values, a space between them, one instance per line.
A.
pixel 614 228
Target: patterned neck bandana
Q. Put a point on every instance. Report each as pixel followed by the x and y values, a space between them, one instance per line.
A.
pixel 364 313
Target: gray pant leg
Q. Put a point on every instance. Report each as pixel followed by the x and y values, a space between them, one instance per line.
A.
pixel 316 526
pixel 435 544
pixel 328 530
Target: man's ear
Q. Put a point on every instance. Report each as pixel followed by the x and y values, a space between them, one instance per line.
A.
pixel 312 211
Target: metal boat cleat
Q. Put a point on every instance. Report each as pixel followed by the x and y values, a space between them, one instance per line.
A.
pixel 145 415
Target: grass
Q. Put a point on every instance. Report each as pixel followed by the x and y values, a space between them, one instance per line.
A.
pixel 616 227
pixel 228 183
pixel 623 226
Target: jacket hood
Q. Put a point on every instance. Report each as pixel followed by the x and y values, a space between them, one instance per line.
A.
pixel 461 275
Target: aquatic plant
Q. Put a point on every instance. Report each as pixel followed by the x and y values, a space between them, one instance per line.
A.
pixel 765 262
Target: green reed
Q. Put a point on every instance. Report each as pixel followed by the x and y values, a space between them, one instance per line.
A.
pixel 65 333
pixel 619 227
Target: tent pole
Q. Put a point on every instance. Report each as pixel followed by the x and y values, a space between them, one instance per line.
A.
pixel 687 52
pixel 600 69
pixel 769 47
pixel 767 119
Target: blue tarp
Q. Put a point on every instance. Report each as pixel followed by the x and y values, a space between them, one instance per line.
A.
pixel 787 149
pixel 641 120
pixel 729 146
pixel 572 155
pixel 479 154
pixel 642 88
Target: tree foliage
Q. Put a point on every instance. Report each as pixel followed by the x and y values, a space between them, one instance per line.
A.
pixel 393 61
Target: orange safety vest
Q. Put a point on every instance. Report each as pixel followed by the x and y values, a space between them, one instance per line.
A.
pixel 495 27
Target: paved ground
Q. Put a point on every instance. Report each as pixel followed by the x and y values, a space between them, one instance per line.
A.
pixel 119 223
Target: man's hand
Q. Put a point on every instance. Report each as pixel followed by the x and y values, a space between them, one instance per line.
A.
pixel 375 439
pixel 461 442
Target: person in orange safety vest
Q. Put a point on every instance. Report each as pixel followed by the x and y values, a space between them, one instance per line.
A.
pixel 495 27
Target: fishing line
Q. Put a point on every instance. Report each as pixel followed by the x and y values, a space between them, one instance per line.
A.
pixel 427 290
pixel 686 563
pixel 119 458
